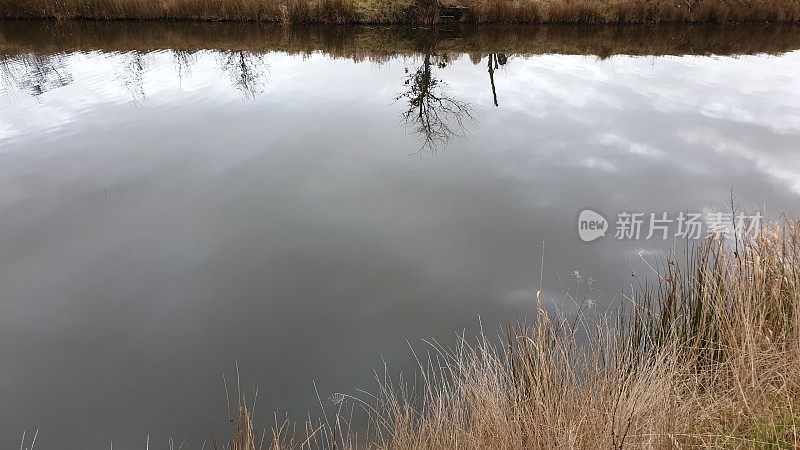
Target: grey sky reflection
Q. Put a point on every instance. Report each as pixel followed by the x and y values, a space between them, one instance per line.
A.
pixel 145 246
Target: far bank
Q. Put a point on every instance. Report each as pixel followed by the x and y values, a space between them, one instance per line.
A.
pixel 414 11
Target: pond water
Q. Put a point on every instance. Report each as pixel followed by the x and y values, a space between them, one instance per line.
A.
pixel 311 201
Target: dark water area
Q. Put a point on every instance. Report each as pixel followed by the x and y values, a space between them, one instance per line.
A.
pixel 309 202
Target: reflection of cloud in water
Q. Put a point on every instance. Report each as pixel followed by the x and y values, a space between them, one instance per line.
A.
pixel 548 88
pixel 294 227
pixel 552 88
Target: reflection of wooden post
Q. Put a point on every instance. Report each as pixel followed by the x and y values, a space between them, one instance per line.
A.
pixel 491 76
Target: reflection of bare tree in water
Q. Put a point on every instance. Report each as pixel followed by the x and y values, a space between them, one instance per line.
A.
pixel 246 70
pixel 133 75
pixel 495 61
pixel 432 113
pixel 183 61
pixel 35 74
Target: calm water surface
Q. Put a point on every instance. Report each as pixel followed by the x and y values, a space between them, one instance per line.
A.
pixel 309 201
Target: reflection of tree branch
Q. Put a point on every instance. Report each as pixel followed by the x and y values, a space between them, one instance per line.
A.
pixel 134 76
pixel 183 62
pixel 246 70
pixel 35 74
pixel 432 114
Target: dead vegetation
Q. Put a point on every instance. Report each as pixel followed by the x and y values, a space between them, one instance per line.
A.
pixel 413 11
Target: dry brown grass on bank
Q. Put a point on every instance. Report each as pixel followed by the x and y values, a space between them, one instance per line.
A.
pixel 284 11
pixel 405 11
pixel 709 357
pixel 633 11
